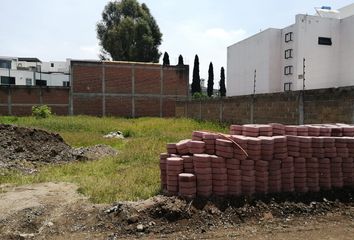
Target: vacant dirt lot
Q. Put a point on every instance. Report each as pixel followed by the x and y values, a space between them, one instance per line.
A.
pixel 57 211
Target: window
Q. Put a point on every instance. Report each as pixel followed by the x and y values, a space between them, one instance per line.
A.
pixel 8 80
pixel 288 53
pixel 288 70
pixel 28 81
pixel 66 84
pixel 52 65
pixel 325 41
pixel 289 37
pixel 287 87
pixel 5 64
pixel 41 83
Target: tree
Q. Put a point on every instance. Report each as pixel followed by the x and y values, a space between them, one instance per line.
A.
pixel 196 78
pixel 128 32
pixel 222 83
pixel 210 88
pixel 166 59
pixel 180 60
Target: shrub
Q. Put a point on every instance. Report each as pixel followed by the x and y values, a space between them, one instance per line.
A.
pixel 42 111
pixel 200 96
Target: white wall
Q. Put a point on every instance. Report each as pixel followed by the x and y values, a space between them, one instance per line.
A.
pixel 290 61
pixel 346 70
pixel 322 62
pixel 260 52
pixel 346 11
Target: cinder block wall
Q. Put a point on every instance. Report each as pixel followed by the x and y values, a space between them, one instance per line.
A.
pixel 127 89
pixel 298 107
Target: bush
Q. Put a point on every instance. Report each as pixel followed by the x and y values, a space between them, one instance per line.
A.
pixel 42 111
pixel 199 96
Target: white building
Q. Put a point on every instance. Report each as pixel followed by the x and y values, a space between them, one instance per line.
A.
pixel 315 52
pixel 32 72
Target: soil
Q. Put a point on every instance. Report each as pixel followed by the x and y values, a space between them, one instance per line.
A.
pixel 26 149
pixel 57 211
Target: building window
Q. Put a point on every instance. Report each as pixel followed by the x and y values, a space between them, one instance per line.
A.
pixel 287 87
pixel 288 53
pixel 52 65
pixel 289 37
pixel 66 84
pixel 5 64
pixel 8 80
pixel 28 81
pixel 325 41
pixel 288 70
pixel 41 83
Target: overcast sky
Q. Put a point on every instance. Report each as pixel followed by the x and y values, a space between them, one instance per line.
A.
pixel 60 29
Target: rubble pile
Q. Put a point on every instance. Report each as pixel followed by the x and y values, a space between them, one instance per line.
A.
pixel 260 159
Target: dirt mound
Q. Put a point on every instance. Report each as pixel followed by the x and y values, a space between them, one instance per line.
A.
pixel 26 149
pixel 57 211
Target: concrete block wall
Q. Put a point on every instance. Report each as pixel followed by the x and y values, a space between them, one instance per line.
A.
pixel 297 107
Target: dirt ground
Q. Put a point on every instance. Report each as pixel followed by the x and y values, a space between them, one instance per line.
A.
pixel 57 211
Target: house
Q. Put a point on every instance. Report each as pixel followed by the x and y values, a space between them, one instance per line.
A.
pixel 33 72
pixel 315 52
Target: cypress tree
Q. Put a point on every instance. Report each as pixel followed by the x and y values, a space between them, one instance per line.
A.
pixel 210 80
pixel 180 60
pixel 166 59
pixel 222 83
pixel 196 78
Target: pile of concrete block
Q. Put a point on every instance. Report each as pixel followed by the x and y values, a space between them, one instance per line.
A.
pixel 260 159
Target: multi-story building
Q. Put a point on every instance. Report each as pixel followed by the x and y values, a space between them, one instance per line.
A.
pixel 315 52
pixel 32 71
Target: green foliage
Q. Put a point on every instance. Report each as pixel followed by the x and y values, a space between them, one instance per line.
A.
pixel 180 60
pixel 132 174
pixel 222 83
pixel 210 88
pixel 166 59
pixel 42 111
pixel 200 96
pixel 196 78
pixel 128 32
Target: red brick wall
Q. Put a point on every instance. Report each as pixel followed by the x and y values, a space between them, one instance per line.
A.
pixel 119 106
pixel 147 81
pixel 147 107
pixel 87 105
pixel 87 79
pixel 119 79
pixel 23 98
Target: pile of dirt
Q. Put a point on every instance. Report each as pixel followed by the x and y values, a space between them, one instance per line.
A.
pixel 168 215
pixel 57 211
pixel 26 149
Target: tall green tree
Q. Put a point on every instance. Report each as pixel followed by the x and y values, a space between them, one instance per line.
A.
pixel 222 83
pixel 180 60
pixel 166 59
pixel 128 32
pixel 196 78
pixel 210 88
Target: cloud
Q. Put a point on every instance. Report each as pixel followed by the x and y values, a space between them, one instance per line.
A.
pixel 190 38
pixel 90 51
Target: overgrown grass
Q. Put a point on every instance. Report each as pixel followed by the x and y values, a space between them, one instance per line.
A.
pixel 133 174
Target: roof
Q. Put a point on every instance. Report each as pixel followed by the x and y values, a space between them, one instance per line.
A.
pixel 28 59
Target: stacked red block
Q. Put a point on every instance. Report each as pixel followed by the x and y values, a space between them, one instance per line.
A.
pixel 174 168
pixel 187 185
pixel 203 172
pixel 309 158
pixel 219 175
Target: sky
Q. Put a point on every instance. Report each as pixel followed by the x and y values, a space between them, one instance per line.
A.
pixel 54 30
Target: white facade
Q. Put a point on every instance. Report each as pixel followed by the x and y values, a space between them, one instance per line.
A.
pixel 319 48
pixel 31 72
